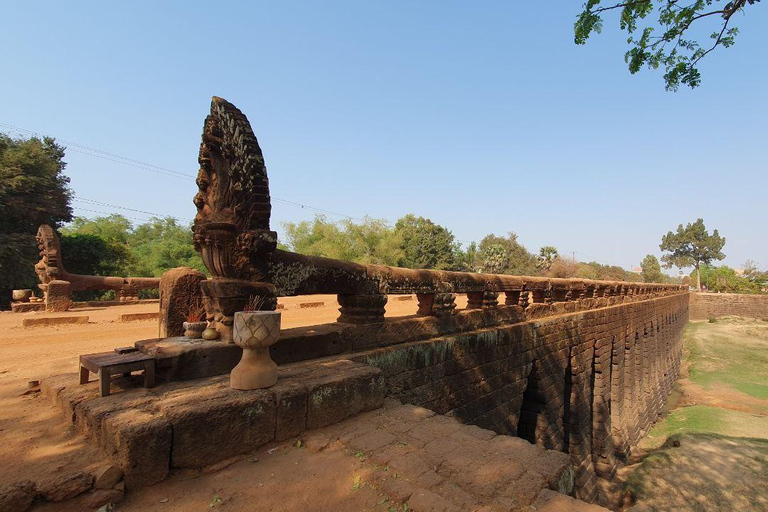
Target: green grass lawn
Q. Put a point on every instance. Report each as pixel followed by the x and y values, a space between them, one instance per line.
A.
pixel 729 352
pixel 728 359
pixel 711 452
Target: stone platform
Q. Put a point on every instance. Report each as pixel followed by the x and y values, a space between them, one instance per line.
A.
pixel 26 307
pixel 147 432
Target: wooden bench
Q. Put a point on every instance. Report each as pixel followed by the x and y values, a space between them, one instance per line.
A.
pixel 107 364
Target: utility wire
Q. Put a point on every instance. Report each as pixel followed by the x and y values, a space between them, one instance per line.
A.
pixel 107 213
pixel 101 153
pixel 131 162
pixel 110 205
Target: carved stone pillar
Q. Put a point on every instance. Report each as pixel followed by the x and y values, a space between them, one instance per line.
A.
pixel 362 309
pixel 539 297
pixel 577 294
pixel 485 299
pixel 436 304
pixel 57 296
pixel 224 297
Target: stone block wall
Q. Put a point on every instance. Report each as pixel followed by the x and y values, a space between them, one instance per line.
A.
pixel 587 383
pixel 715 305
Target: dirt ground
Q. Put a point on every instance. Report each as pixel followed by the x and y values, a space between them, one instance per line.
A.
pixel 37 444
pixel 710 452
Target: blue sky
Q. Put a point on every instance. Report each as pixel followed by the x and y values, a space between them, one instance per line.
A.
pixel 484 117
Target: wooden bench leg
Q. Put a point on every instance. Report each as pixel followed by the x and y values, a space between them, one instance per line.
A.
pixel 84 375
pixel 149 374
pixel 104 380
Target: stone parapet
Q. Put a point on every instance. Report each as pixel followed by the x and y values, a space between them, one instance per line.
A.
pixel 716 305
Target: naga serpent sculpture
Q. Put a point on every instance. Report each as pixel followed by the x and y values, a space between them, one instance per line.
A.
pixel 50 269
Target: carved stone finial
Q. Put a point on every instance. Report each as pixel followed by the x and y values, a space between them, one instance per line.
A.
pixel 50 266
pixel 233 204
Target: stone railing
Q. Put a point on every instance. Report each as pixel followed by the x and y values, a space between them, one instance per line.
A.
pixel 57 284
pixel 233 235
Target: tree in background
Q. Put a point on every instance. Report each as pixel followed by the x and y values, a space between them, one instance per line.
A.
pixel 725 279
pixel 372 241
pixel 563 268
pixel 426 244
pixel 113 228
pixel 416 242
pixel 495 259
pixel 34 191
pixel 500 255
pixel 159 245
pixel 692 246
pixel 110 245
pixel 595 270
pixel 468 260
pixel 754 275
pixel 666 42
pixel 89 254
pixel 651 269
pixel 547 255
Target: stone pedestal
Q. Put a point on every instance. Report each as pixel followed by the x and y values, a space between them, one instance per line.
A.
pixel 57 296
pixel 362 309
pixel 127 293
pixel 255 332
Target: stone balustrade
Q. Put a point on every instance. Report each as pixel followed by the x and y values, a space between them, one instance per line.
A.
pixel 233 236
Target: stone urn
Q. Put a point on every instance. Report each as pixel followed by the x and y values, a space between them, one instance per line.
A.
pixel 21 295
pixel 194 330
pixel 255 332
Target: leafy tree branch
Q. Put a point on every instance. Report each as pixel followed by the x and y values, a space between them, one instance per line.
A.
pixel 666 42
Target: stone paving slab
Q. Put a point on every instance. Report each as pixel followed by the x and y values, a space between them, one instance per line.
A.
pixel 435 463
pixel 137 317
pixel 54 320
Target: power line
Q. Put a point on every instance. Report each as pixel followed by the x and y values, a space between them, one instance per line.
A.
pixel 100 153
pixel 107 213
pixel 321 210
pixel 138 164
pixel 101 203
pixel 177 176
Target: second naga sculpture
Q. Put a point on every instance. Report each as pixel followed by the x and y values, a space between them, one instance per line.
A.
pixel 57 284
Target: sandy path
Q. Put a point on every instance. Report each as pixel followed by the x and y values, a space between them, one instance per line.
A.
pixel 35 442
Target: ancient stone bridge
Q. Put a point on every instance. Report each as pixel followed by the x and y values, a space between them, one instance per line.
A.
pixel 576 366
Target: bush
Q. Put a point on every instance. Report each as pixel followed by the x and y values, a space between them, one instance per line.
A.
pixel 712 319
